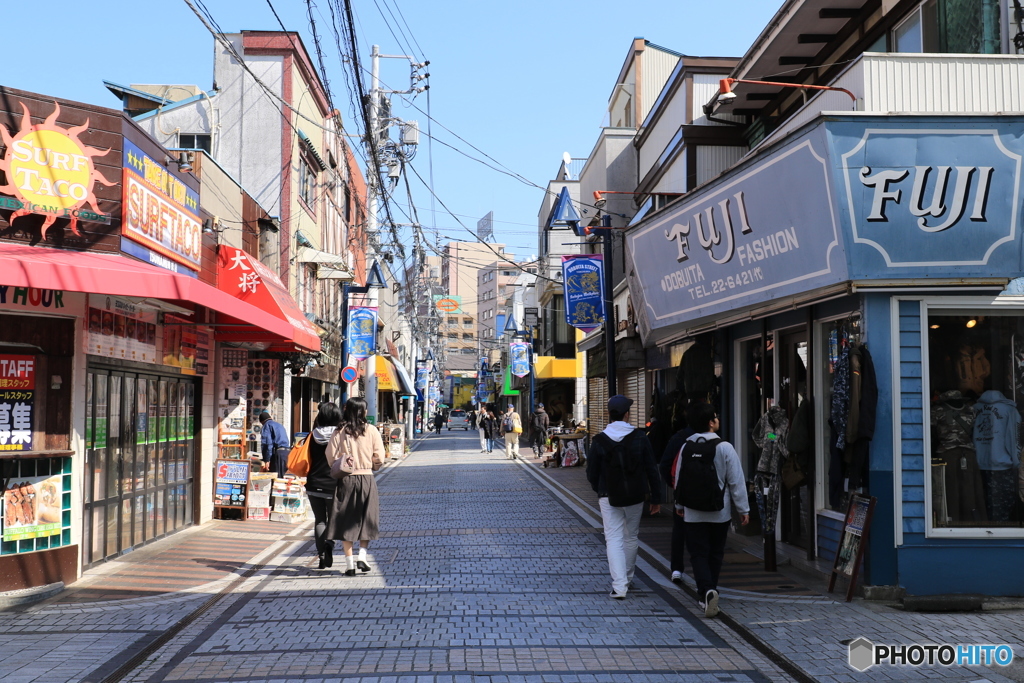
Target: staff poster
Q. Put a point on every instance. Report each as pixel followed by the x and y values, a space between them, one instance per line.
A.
pixel 17 401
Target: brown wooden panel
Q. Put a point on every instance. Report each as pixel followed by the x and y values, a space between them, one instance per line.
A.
pixel 57 402
pixel 31 570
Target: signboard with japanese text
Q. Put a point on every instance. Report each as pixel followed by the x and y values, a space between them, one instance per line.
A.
pixel 42 300
pixel 448 303
pixel 583 287
pixel 186 346
pixel 32 508
pixel 362 331
pixel 421 378
pixel 119 328
pixel 519 353
pixel 231 483
pixel 160 211
pixel 17 402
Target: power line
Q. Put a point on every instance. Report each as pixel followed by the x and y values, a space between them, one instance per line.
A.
pixel 279 22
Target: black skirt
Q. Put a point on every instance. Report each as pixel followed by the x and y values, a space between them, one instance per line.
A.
pixel 356 510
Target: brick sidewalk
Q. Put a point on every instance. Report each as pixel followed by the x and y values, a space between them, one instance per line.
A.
pixel 188 559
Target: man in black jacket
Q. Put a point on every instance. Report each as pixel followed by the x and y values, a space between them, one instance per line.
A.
pixel 539 423
pixel 668 460
pixel 623 472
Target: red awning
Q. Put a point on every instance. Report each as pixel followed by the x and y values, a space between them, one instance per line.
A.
pixel 242 276
pixel 94 273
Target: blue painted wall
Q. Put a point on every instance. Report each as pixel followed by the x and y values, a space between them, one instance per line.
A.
pixel 881 567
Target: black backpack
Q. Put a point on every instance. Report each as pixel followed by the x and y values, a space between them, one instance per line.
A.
pixel 624 475
pixel 697 485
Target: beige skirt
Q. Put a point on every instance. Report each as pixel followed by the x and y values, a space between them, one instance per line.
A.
pixel 355 514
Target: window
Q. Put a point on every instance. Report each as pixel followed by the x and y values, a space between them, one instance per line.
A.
pixel 307 182
pixel 201 141
pixel 975 371
pixel 950 26
pixel 453 335
pixel 467 322
pixel 467 335
pixel 453 321
pixel 468 351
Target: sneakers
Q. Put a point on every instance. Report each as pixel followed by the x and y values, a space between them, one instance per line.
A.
pixel 617 596
pixel 710 603
pixel 677 577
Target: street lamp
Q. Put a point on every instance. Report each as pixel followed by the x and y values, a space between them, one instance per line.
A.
pixel 374 280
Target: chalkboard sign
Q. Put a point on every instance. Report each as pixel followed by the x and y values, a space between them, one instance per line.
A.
pixel 231 484
pixel 851 542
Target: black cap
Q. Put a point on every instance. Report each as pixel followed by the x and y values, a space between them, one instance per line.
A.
pixel 620 404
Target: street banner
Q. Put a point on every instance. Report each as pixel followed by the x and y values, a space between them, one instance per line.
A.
pixel 583 284
pixel 519 353
pixel 421 378
pixel 362 331
pixel 17 402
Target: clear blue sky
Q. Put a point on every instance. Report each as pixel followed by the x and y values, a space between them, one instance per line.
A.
pixel 523 81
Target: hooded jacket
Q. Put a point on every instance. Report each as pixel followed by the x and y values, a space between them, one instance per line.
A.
pixel 995 431
pixel 638 446
pixel 540 422
pixel 319 478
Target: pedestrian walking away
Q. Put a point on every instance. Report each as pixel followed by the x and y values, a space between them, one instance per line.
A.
pixel 355 513
pixel 485 426
pixel 274 445
pixel 438 421
pixel 510 428
pixel 539 423
pixel 319 484
pixel 669 470
pixel 623 472
pixel 710 484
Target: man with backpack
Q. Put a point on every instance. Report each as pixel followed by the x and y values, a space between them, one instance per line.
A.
pixel 511 427
pixel 709 482
pixel 669 468
pixel 539 423
pixel 622 470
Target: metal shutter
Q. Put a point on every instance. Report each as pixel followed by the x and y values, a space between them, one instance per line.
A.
pixel 634 386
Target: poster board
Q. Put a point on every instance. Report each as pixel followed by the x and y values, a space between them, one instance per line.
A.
pixel 850 552
pixel 231 485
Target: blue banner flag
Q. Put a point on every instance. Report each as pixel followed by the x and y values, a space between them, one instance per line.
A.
pixel 519 352
pixel 583 284
pixel 362 331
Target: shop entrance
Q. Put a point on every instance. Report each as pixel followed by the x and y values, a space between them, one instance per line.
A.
pixel 793 357
pixel 140 460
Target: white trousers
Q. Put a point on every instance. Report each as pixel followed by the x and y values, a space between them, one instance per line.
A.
pixel 511 445
pixel 483 439
pixel 621 530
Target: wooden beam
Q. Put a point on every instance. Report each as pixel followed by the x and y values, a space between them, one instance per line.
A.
pixel 838 12
pixel 813 38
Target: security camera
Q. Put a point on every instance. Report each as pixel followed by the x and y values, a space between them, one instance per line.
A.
pixel 726 98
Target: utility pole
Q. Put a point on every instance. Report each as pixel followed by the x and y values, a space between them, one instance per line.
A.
pixel 371 225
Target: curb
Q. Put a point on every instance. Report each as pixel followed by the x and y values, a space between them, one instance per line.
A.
pixel 28 596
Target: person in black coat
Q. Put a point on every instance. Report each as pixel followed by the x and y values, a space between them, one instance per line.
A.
pixel 668 457
pixel 489 424
pixel 319 483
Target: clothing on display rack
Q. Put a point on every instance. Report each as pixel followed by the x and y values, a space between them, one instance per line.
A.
pixel 770 435
pixel 996 427
pixel 952 419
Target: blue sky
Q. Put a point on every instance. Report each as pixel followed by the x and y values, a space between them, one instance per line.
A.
pixel 522 81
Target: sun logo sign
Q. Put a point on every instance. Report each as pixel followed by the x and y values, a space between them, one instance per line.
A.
pixel 50 170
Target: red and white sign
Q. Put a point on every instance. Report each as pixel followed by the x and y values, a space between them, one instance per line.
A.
pixel 158 223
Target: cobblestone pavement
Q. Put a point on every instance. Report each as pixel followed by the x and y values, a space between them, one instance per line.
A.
pixel 481 574
pixel 810 628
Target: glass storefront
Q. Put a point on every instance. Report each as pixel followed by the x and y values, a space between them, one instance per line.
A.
pixel 976 392
pixel 140 456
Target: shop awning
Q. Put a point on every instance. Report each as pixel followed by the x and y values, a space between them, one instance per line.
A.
pixel 247 279
pixel 392 376
pixel 93 273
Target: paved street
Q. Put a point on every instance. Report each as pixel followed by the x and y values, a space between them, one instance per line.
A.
pixel 484 574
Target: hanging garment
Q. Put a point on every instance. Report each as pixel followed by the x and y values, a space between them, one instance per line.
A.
pixel 952 421
pixel 965 493
pixel 770 436
pixel 698 371
pixel 766 492
pixel 840 409
pixel 972 368
pixel 861 426
pixel 995 432
pixel 798 442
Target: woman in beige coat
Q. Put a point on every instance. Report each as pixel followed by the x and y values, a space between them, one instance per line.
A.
pixel 355 515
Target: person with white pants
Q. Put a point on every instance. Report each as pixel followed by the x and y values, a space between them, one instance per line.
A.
pixel 511 427
pixel 623 472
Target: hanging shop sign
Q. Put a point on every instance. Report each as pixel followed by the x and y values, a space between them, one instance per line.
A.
pixel 362 331
pixel 922 197
pixel 119 328
pixel 582 286
pixel 17 402
pixel 421 378
pixel 768 230
pixel 519 352
pixel 160 211
pixel 33 299
pixel 448 303
pixel 51 172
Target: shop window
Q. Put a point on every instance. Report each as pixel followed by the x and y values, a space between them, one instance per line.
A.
pixel 976 389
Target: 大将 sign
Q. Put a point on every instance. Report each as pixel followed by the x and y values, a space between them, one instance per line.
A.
pixel 160 211
pixel 50 171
